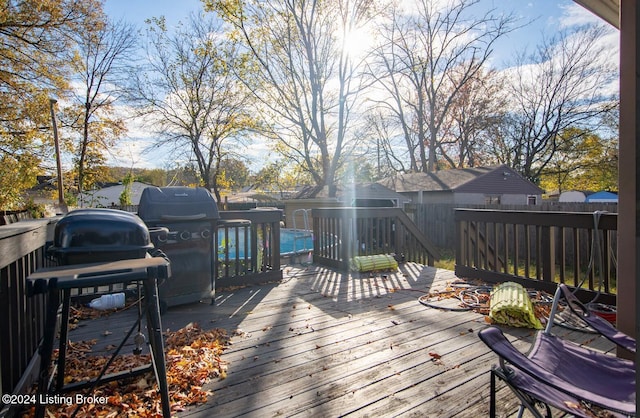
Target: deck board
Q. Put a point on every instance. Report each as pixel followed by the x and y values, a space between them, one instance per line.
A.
pixel 325 343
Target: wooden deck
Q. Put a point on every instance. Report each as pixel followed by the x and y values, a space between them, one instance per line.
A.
pixel 324 344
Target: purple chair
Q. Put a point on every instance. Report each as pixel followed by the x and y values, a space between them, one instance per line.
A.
pixel 561 374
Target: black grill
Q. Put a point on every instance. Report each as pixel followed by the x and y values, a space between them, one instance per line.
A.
pixel 182 221
pixel 99 235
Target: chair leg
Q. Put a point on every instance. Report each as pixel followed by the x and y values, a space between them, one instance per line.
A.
pixel 492 396
pixel 526 402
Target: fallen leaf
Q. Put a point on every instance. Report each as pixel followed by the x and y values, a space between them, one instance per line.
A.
pixel 436 356
pixel 192 359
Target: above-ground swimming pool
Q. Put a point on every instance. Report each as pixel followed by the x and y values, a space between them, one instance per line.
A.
pixel 295 241
pixel 292 242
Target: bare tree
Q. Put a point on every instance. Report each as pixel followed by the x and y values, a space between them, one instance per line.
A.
pixel 422 48
pixel 198 107
pixel 388 146
pixel 475 112
pixel 105 54
pixel 305 77
pixel 566 83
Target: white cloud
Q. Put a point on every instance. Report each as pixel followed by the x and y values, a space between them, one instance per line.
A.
pixel 574 15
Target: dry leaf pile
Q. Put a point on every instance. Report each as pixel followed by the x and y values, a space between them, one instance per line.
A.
pixel 192 359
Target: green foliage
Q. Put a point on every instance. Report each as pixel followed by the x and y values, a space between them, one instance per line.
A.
pixel 125 196
pixel 233 174
pixel 267 177
pixel 582 161
pixel 36 210
pixel 280 176
pixel 16 174
pixel 156 176
pixel 93 168
pixel 36 51
pixel 70 199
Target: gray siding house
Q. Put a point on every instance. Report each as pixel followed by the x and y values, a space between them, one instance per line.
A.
pixel 470 186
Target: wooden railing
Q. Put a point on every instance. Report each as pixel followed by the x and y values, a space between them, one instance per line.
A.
pixel 539 249
pixel 23 250
pixel 342 233
pixel 258 259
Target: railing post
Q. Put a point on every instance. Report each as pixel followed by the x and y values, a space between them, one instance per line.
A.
pixel 460 242
pixel 347 241
pixel 548 254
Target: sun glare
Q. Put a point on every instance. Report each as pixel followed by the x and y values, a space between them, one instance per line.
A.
pixel 356 42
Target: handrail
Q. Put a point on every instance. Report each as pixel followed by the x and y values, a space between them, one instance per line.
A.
pixel 22 251
pixel 538 249
pixel 344 232
pixel 264 247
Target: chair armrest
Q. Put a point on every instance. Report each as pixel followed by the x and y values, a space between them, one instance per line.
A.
pixel 594 321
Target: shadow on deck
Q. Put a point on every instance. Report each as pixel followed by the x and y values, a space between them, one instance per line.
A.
pixel 323 343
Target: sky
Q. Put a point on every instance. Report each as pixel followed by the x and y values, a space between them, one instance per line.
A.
pixel 546 16
pixel 542 18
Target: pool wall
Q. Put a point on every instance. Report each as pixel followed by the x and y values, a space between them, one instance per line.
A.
pixel 292 242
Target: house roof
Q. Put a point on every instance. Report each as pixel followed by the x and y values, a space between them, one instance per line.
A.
pixel 495 179
pixel 357 191
pixel 370 191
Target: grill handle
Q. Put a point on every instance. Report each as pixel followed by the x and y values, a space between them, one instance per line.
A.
pixel 183 217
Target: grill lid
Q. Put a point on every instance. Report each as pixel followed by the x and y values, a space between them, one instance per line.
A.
pixel 100 229
pixel 162 204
